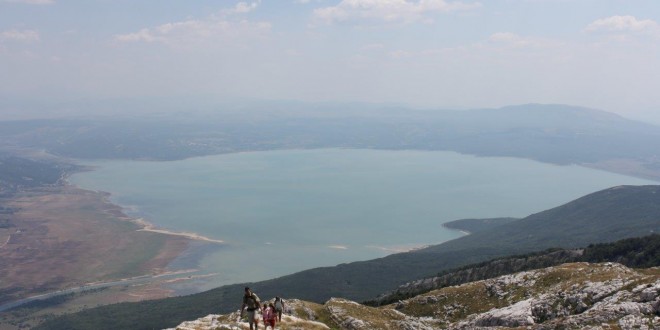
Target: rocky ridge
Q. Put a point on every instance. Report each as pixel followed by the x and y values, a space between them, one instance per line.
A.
pixel 568 296
pixel 483 271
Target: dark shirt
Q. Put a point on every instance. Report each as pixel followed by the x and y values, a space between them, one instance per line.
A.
pixel 251 301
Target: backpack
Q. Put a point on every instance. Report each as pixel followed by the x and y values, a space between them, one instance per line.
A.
pixel 252 302
pixel 278 304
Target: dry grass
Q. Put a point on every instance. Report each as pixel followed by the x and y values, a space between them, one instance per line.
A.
pixel 453 304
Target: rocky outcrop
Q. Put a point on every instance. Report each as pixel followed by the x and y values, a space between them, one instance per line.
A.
pixel 298 315
pixel 617 296
pixel 479 272
pixel 233 322
pixel 569 296
pixel 347 315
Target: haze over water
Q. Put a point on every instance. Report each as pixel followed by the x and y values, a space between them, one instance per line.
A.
pixel 284 211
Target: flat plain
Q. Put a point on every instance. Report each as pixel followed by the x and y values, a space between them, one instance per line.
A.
pixel 65 237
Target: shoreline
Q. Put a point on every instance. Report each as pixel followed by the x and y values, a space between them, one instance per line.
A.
pixel 136 252
pixel 150 227
pixel 627 167
pixel 458 229
pixel 166 262
pixel 100 284
pixel 122 215
pixel 623 166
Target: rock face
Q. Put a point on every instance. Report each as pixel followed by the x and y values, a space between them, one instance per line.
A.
pixel 298 315
pixel 569 296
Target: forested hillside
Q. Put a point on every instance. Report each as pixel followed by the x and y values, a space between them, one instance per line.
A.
pixel 638 252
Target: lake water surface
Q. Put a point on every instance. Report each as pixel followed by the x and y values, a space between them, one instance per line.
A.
pixel 284 211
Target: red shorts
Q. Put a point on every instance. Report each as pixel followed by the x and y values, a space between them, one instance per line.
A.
pixel 270 323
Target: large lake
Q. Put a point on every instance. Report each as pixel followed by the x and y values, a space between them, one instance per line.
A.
pixel 283 211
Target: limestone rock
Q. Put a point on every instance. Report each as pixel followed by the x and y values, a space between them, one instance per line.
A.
pixel 569 296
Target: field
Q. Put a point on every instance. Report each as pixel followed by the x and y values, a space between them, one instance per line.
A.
pixel 64 237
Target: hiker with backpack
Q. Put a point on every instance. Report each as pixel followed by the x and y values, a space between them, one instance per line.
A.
pixel 251 301
pixel 279 308
pixel 269 316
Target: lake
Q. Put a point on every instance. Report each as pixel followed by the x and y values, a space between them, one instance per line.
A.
pixel 279 212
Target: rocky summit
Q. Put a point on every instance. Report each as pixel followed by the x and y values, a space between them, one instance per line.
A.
pixel 569 296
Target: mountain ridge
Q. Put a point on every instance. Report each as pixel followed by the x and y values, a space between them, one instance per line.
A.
pixel 637 252
pixel 573 295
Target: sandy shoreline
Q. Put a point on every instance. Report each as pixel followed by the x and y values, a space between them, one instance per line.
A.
pixel 159 263
pixel 74 237
pixel 148 226
pixel 118 211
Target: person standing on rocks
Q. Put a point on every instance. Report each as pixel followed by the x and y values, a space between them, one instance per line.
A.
pixel 251 301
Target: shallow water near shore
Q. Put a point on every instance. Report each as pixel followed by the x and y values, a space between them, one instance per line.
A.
pixel 279 212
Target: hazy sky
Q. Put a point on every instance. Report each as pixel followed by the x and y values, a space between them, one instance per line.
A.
pixel 431 53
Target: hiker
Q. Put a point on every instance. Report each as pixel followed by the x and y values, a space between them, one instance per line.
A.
pixel 279 307
pixel 269 316
pixel 251 301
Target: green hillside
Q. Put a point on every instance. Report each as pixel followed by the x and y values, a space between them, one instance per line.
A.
pixel 604 216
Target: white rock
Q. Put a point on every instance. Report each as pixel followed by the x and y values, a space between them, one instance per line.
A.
pixel 516 315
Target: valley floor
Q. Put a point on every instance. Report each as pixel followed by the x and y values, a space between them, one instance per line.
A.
pixel 63 237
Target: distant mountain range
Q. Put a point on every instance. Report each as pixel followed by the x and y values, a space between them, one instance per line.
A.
pixel 604 216
pixel 551 133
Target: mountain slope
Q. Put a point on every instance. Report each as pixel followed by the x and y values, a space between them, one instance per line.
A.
pixel 573 296
pixel 603 216
pixel 608 215
pixel 637 252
